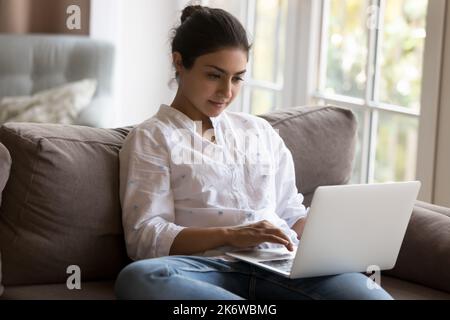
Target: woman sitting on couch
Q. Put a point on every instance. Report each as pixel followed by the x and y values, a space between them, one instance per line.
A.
pixel 183 206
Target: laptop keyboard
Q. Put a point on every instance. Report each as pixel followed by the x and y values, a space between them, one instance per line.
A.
pixel 283 264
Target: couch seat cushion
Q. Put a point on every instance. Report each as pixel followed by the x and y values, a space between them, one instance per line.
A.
pixel 98 290
pixel 406 290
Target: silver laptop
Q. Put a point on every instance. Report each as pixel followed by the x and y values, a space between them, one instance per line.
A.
pixel 350 228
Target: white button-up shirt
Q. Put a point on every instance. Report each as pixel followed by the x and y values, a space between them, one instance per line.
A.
pixel 172 177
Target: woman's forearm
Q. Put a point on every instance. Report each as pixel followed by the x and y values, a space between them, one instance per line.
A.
pixel 194 240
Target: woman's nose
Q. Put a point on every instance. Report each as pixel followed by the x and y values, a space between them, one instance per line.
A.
pixel 226 89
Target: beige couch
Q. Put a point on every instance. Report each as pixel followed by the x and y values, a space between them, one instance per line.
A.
pixel 60 206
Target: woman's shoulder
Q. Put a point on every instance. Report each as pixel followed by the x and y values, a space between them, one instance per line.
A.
pixel 150 132
pixel 152 125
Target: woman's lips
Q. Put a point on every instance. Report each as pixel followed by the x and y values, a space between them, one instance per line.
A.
pixel 217 104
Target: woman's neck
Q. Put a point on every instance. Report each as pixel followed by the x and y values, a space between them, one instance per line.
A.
pixel 185 106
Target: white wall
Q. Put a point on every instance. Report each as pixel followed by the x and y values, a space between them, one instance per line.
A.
pixel 140 29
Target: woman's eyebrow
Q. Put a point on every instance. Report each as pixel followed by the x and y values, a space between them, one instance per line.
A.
pixel 223 71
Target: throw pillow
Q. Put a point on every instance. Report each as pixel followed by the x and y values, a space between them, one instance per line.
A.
pixel 57 105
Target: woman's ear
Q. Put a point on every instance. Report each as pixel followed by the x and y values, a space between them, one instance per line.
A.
pixel 177 61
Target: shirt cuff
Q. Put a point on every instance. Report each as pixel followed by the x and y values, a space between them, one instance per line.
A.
pixel 165 243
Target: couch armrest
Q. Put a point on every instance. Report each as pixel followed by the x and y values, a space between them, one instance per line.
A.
pixel 433 207
pixel 424 257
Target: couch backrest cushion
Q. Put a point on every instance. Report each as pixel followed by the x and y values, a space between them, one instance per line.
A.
pixel 322 141
pixel 5 166
pixel 61 204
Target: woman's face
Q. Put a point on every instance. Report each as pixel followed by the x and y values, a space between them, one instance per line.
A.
pixel 212 83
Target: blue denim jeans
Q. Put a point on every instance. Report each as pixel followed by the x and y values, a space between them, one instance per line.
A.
pixel 214 278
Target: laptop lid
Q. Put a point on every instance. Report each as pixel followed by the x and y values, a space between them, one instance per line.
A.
pixel 353 227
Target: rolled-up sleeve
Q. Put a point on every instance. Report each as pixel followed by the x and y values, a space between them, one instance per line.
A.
pixel 289 202
pixel 146 197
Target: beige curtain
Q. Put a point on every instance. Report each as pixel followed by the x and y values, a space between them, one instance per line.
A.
pixel 41 16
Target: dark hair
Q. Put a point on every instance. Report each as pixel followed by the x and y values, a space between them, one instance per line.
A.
pixel 206 30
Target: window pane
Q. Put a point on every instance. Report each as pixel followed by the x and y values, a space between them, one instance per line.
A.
pixel 347 48
pixel 396 148
pixel 402 52
pixel 262 101
pixel 269 40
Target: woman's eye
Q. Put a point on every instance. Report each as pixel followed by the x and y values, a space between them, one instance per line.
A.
pixel 214 76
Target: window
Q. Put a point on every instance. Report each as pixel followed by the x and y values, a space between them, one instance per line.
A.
pixel 266 22
pixel 371 61
pixel 380 58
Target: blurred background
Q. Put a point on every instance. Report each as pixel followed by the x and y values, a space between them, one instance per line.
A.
pixel 387 60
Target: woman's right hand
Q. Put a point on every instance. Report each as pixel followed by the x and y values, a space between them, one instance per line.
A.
pixel 254 234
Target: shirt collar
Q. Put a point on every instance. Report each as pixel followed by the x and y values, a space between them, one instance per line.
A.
pixel 165 109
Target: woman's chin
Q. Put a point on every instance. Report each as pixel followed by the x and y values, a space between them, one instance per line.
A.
pixel 214 112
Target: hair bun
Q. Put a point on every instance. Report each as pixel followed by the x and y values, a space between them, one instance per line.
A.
pixel 189 11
